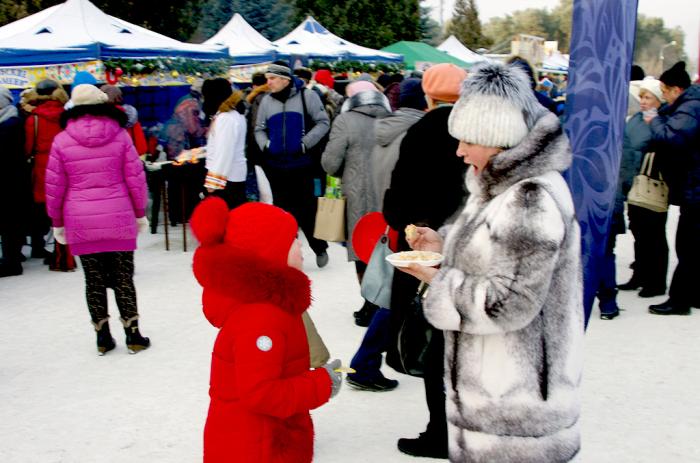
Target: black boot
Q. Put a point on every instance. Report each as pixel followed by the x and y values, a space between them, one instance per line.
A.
pixel 631 285
pixel 134 341
pixel 364 316
pixel 424 446
pixel 669 308
pixel 105 341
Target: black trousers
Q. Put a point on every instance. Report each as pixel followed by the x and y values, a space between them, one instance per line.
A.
pixel 650 246
pixel 40 226
pixel 233 194
pixel 684 285
pixel 293 191
pixel 110 270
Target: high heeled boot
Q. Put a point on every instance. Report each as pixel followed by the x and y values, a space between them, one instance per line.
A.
pixel 134 341
pixel 105 341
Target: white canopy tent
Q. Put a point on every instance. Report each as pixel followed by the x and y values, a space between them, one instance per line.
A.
pixel 313 40
pixel 556 62
pixel 245 44
pixel 452 46
pixel 79 31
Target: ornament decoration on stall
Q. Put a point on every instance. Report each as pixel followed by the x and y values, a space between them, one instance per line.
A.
pixel 112 75
pixel 343 66
pixel 164 71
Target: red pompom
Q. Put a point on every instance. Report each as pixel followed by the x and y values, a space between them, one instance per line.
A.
pixel 208 221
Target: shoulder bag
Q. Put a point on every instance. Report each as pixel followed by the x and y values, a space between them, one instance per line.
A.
pixel 648 192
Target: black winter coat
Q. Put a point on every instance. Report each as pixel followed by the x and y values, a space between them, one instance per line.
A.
pixel 15 183
pixel 427 188
pixel 676 136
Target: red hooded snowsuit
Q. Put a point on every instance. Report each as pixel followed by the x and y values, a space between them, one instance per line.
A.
pixel 261 387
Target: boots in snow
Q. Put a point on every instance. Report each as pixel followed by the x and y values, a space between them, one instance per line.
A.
pixel 105 341
pixel 134 341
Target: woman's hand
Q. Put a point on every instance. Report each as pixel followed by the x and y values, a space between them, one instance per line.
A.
pixel 421 272
pixel 425 239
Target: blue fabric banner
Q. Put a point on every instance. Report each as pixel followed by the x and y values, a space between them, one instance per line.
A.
pixel 602 42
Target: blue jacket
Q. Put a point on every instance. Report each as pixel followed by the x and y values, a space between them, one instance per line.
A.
pixel 676 135
pixel 280 127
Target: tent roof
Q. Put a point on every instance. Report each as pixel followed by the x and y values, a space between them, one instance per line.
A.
pixel 244 43
pixel 422 52
pixel 78 31
pixel 556 62
pixel 310 38
pixel 452 46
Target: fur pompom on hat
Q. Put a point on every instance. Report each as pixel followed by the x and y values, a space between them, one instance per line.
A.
pixel 260 230
pixel 86 94
pixel 497 107
pixel 443 81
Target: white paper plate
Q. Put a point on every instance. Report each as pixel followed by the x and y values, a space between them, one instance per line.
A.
pixel 424 258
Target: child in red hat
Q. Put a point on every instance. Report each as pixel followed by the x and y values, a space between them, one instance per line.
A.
pixel 261 387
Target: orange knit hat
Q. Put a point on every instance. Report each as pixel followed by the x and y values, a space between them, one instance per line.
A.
pixel 443 82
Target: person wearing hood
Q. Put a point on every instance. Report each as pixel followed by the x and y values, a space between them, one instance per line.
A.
pixel 14 186
pixel 40 128
pixel 675 131
pixel 426 188
pixel 249 264
pixel 291 121
pixel 96 197
pixel 509 294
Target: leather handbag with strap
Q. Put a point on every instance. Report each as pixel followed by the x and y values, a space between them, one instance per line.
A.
pixel 649 192
pixel 376 282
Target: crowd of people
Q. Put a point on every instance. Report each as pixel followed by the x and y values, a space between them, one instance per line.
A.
pixel 470 162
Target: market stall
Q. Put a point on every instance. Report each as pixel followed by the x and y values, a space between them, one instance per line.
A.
pixel 420 56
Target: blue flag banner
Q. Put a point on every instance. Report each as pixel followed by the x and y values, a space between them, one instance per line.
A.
pixel 602 42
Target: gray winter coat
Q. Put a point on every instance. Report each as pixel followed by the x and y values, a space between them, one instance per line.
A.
pixel 509 297
pixel 388 132
pixel 348 150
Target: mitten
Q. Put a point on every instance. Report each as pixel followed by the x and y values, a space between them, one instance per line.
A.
pixel 142 223
pixel 59 234
pixel 336 376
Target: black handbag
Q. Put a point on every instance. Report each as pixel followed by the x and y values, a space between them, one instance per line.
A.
pixel 407 352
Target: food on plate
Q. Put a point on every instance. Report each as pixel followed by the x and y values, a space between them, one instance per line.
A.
pixel 417 256
pixel 411 232
pixel 345 370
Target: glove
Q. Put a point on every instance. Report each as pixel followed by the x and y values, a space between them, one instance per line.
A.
pixel 59 234
pixel 142 223
pixel 336 377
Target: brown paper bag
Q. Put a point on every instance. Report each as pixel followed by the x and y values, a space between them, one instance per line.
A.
pixel 318 352
pixel 330 219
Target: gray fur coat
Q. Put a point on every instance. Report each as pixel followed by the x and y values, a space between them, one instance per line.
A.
pixel 509 297
pixel 348 150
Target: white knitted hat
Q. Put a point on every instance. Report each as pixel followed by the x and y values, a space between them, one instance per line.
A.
pixel 652 86
pixel 497 107
pixel 86 94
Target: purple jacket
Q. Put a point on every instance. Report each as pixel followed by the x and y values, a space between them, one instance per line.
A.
pixel 95 186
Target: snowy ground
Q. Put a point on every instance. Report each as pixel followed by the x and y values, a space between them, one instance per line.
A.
pixel 60 402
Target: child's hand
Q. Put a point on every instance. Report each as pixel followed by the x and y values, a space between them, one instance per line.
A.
pixel 336 376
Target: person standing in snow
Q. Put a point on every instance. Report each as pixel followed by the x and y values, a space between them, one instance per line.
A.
pixel 509 293
pixel 96 197
pixel 249 265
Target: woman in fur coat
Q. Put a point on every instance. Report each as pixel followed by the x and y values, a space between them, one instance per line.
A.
pixel 509 293
pixel 249 264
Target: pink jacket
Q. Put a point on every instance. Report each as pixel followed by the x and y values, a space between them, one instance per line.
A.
pixel 95 186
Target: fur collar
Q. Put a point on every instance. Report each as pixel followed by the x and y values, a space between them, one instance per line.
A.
pixel 104 109
pixel 365 99
pixel 233 277
pixel 546 148
pixel 257 91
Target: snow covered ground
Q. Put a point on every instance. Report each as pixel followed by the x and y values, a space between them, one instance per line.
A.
pixel 60 402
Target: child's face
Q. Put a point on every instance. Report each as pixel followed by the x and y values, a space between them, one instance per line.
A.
pixel 295 259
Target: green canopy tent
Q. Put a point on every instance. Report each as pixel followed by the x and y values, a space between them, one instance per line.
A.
pixel 419 55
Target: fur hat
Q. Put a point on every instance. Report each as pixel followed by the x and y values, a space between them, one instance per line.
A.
pixel 303 73
pixel 360 86
pixel 676 76
pixel 442 82
pixel 652 86
pixel 86 94
pixel 497 107
pixel 114 93
pixel 264 231
pixel 411 94
pixel 279 71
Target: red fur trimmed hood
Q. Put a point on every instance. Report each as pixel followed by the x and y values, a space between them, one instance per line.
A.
pixel 231 278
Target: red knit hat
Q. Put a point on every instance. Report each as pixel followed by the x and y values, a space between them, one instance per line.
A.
pixel 324 77
pixel 263 230
pixel 443 82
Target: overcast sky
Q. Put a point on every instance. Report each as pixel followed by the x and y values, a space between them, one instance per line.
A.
pixel 683 13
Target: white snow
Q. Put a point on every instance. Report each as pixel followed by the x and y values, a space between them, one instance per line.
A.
pixel 60 402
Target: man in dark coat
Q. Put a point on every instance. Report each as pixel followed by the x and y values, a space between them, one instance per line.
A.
pixel 427 189
pixel 14 187
pixel 676 133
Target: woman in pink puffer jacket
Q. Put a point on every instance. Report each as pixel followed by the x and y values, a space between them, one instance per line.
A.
pixel 96 197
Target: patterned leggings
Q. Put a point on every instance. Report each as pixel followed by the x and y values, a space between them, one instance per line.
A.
pixel 110 270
